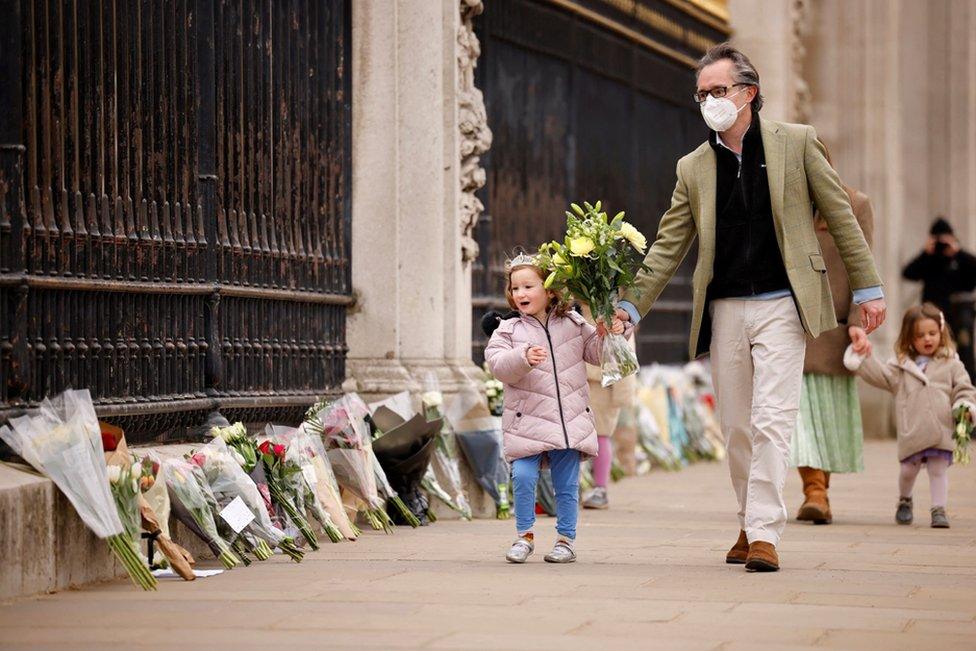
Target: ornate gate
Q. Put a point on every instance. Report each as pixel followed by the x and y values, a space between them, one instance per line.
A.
pixel 174 205
pixel 588 100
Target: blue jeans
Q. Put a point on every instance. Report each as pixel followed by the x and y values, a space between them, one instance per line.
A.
pixel 564 465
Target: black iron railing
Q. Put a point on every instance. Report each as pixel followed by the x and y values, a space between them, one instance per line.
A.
pixel 174 205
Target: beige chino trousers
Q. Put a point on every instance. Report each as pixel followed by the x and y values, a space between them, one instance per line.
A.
pixel 757 368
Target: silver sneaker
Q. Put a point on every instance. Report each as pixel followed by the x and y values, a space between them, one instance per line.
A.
pixel 520 551
pixel 596 499
pixel 561 553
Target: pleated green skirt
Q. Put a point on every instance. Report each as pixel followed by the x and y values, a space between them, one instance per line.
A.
pixel 829 433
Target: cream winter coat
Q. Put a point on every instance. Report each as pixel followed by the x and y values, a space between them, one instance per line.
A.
pixel 924 401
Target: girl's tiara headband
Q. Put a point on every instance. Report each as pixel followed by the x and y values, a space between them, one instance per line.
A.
pixel 520 260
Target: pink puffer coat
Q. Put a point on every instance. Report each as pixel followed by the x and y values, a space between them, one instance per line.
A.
pixel 547 407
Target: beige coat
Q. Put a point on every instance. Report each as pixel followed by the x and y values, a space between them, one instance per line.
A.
pixel 924 401
pixel 825 354
pixel 799 179
pixel 608 401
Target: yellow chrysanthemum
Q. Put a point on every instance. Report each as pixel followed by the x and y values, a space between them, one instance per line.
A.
pixel 632 235
pixel 581 246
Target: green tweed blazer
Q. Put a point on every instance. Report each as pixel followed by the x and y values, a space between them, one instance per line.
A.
pixel 800 182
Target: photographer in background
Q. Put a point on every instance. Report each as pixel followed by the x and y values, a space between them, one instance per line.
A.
pixel 948 276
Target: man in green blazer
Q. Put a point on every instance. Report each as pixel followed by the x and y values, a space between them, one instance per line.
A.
pixel 748 195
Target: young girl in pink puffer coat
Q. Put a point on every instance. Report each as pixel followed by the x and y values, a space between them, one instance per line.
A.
pixel 540 353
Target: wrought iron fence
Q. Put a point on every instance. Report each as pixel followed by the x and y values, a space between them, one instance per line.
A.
pixel 174 205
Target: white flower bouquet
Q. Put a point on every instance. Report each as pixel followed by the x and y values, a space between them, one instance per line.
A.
pixel 62 440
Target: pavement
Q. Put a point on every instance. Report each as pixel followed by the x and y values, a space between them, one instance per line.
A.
pixel 651 574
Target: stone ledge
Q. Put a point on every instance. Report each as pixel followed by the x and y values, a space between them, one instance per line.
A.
pixel 45 547
pixel 44 544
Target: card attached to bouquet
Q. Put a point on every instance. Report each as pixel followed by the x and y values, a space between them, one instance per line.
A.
pixel 308 470
pixel 237 515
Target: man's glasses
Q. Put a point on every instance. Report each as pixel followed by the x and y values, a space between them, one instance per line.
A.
pixel 717 92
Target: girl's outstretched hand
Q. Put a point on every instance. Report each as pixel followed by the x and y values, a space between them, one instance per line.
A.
pixel 859 340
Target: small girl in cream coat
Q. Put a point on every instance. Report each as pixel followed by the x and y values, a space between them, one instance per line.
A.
pixel 929 382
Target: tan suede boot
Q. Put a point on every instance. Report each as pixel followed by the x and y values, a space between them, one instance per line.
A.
pixel 762 557
pixel 816 506
pixel 740 550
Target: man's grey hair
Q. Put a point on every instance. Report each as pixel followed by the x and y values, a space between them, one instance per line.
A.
pixel 743 72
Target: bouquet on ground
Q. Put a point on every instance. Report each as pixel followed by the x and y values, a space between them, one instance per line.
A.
pixel 342 426
pixel 62 440
pixel 494 392
pixel 281 468
pixel 228 481
pixel 194 504
pixel 961 433
pixel 480 440
pixel 301 476
pixel 597 258
pixel 443 477
pixel 244 449
pixel 327 487
pixel 402 449
pixel 154 511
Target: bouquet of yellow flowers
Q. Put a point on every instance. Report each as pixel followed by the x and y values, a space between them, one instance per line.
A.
pixel 596 259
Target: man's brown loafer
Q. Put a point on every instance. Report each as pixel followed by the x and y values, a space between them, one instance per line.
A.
pixel 762 557
pixel 739 552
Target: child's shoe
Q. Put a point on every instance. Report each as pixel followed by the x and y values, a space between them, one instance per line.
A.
pixel 521 550
pixel 904 513
pixel 939 518
pixel 596 499
pixel 561 553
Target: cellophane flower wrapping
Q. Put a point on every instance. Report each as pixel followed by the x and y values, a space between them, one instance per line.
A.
pixel 443 478
pixel 228 480
pixel 281 465
pixel 62 440
pixel 327 486
pixel 479 438
pixel 303 484
pixel 152 483
pixel 195 505
pixel 342 425
pixel 597 258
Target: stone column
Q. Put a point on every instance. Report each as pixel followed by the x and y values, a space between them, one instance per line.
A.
pixel 410 274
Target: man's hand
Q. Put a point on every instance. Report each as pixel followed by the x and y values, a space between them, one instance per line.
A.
pixel 859 341
pixel 622 315
pixel 873 314
pixel 617 327
pixel 951 245
pixel 535 355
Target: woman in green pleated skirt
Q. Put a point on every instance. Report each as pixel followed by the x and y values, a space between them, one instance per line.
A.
pixel 829 435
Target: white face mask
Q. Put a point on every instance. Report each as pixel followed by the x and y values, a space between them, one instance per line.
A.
pixel 720 113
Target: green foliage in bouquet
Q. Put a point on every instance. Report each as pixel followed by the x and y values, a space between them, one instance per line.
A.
pixel 960 435
pixel 596 257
